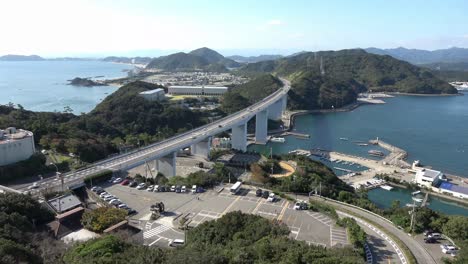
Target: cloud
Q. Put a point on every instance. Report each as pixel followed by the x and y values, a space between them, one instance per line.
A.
pixel 274 22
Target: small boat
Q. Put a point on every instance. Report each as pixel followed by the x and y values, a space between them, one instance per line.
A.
pixel 363 144
pixel 343 138
pixel 418 200
pixel 416 192
pixel 278 139
pixel 386 187
pixel 410 205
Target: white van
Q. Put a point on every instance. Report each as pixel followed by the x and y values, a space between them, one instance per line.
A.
pixel 176 243
pixel 194 189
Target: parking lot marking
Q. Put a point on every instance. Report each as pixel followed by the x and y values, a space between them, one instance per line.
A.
pixel 258 206
pixel 154 242
pixel 230 205
pixel 155 231
pixel 268 213
pixel 281 215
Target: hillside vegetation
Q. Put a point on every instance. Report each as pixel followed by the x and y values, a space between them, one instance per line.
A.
pixel 202 59
pixel 346 73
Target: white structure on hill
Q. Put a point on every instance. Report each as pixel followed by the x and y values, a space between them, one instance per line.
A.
pixel 15 145
pixel 154 95
pixel 197 90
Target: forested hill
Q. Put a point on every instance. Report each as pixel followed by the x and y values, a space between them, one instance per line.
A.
pixel 199 59
pixel 345 74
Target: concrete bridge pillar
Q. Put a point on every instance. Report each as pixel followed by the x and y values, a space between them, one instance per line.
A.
pixel 284 102
pixel 202 148
pixel 275 110
pixel 167 165
pixel 239 137
pixel 261 126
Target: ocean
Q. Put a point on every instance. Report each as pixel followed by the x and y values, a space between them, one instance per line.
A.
pixel 431 129
pixel 42 85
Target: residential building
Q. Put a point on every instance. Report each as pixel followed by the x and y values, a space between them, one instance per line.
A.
pixel 197 90
pixel 154 95
pixel 15 145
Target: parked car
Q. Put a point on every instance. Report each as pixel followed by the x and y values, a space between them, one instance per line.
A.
pixel 133 184
pixel 300 205
pixel 162 188
pixel 100 191
pixel 122 206
pixel 265 194
pixel 173 188
pixel 176 243
pixel 258 193
pixel 183 189
pixel 150 188
pixel 125 182
pixel 156 188
pixel 427 232
pixel 131 211
pixel 115 202
pixel 435 235
pixel 117 180
pixel 194 189
pixel 103 194
pixel 141 186
pixel 271 198
pixel 108 198
pixel 430 240
pixel 177 189
pixel 449 249
pixel 95 188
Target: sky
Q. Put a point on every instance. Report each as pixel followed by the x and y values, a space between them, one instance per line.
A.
pixel 53 28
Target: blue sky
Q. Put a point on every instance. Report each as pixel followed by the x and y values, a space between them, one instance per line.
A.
pixel 103 27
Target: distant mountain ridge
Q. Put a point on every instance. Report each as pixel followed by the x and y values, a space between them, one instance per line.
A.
pixel 253 59
pixel 417 56
pixel 199 59
pixel 13 57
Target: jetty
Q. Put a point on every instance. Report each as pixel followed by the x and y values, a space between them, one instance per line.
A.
pixel 424 202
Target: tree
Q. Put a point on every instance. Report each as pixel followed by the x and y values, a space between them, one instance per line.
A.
pixel 102 218
pixel 456 227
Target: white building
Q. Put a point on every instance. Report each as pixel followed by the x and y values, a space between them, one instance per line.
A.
pixel 15 145
pixel 197 90
pixel 154 95
pixel 428 178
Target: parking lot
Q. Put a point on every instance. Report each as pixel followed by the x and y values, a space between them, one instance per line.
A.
pixel 311 227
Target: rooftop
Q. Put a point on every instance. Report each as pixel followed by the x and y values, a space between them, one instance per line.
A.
pixel 454 188
pixel 428 173
pixel 198 87
pixel 11 134
pixel 64 203
pixel 152 91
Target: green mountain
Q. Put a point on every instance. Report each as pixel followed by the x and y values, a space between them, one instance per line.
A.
pixel 345 74
pixel 214 57
pixel 417 56
pixel 202 59
pixel 11 57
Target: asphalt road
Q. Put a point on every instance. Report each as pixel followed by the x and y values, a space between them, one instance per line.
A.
pixel 420 253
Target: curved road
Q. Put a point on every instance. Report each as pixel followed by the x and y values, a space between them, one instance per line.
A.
pixel 419 252
pixel 167 146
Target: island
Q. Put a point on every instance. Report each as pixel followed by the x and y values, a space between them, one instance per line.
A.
pixel 86 82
